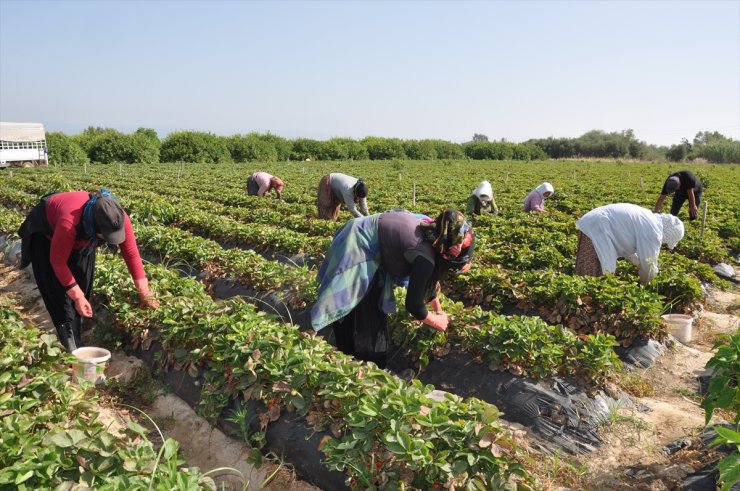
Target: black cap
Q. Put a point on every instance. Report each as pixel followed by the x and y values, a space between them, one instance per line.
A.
pixel 672 183
pixel 361 189
pixel 109 220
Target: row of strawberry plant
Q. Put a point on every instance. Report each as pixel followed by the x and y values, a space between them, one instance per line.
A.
pixel 521 344
pixel 165 200
pixel 585 304
pixel 51 435
pixel 202 222
pixel 388 433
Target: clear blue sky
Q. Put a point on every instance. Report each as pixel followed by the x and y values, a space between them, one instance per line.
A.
pixel 514 70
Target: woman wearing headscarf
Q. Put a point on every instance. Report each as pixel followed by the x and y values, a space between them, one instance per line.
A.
pixel 336 189
pixel 367 256
pixel 59 238
pixel 261 183
pixel 624 230
pixel 535 200
pixel 481 202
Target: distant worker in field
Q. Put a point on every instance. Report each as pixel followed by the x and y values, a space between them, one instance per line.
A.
pixel 624 230
pixel 481 202
pixel 335 189
pixel 59 238
pixel 535 200
pixel 367 256
pixel 260 183
pixel 685 185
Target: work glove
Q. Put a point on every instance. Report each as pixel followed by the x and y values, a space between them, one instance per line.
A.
pixel 436 321
pixel 82 306
pixel 146 297
pixel 435 305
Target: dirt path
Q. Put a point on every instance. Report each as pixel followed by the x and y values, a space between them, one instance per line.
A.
pixel 201 445
pixel 632 456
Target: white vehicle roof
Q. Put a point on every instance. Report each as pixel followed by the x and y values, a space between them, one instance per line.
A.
pixel 21 132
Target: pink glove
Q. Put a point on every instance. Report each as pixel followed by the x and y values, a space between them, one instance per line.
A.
pixel 434 304
pixel 82 306
pixel 437 321
pixel 146 297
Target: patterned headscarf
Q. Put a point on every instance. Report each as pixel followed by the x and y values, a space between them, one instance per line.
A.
pixel 447 232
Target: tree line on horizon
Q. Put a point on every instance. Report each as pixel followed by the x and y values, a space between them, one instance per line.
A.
pixel 107 145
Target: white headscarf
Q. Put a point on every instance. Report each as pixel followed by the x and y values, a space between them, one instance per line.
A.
pixel 543 188
pixel 484 189
pixel 672 229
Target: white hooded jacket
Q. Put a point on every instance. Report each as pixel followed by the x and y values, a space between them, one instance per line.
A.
pixel 535 200
pixel 630 231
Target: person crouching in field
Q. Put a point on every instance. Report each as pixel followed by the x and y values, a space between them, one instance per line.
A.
pixel 535 200
pixel 685 185
pixel 482 202
pixel 335 189
pixel 624 230
pixel 364 260
pixel 260 183
pixel 59 238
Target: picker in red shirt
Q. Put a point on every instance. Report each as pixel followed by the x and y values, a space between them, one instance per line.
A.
pixel 60 237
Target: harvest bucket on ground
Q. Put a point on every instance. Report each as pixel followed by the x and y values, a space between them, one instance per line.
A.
pixel 91 364
pixel 679 325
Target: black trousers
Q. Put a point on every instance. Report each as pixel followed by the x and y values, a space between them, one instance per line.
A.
pixel 252 186
pixel 363 333
pixel 82 264
pixel 680 197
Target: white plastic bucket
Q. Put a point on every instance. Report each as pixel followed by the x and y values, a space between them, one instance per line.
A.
pixel 91 364
pixel 679 325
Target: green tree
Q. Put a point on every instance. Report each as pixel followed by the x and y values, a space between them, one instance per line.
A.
pixel 87 138
pixel 196 147
pixel 420 149
pixel 447 150
pixel 108 146
pixel 306 148
pixel 251 148
pixel 383 148
pixel 715 147
pixel 708 137
pixel 678 153
pixel 283 146
pixel 63 150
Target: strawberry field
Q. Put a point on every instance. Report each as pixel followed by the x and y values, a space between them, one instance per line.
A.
pixel 519 312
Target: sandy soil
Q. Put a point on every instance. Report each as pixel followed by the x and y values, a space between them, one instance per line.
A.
pixel 632 456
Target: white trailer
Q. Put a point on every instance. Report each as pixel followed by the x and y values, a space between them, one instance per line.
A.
pixel 23 145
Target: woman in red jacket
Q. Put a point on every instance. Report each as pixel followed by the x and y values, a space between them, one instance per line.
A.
pixel 60 236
